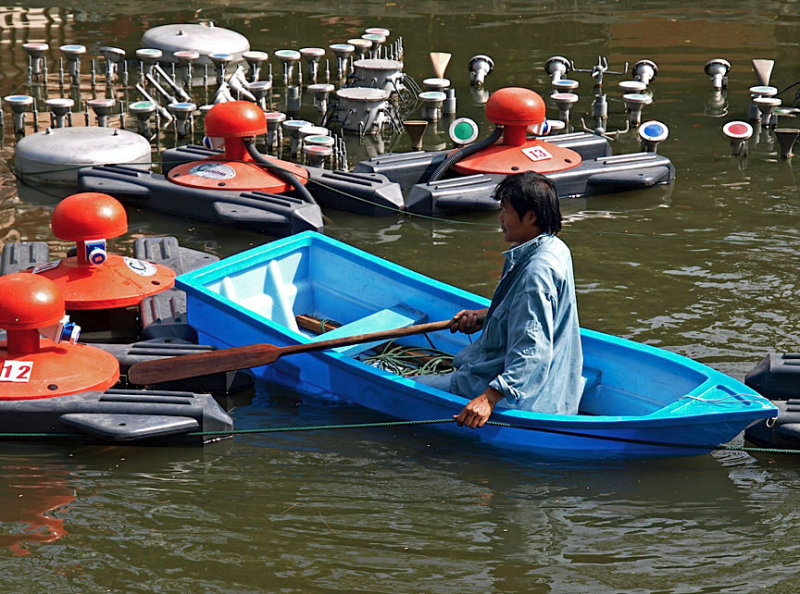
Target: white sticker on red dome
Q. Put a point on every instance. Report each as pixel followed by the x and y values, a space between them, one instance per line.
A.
pixel 213 171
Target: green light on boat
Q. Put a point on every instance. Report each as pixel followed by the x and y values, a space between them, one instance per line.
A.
pixel 463 131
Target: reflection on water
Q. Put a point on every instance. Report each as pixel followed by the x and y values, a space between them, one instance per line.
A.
pixel 34 500
pixel 354 509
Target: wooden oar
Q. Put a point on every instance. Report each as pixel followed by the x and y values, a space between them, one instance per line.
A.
pixel 244 357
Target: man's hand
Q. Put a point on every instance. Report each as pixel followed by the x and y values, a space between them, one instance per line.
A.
pixel 468 320
pixel 479 409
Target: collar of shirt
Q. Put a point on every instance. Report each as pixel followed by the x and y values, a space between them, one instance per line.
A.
pixel 523 251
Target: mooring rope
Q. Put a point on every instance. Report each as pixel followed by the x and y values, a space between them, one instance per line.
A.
pixel 383 424
pixel 389 424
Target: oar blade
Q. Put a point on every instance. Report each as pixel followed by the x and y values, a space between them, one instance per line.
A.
pixel 181 367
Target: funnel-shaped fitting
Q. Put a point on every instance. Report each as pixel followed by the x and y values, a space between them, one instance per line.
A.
pixel 102 108
pixel 255 59
pixel 763 70
pixel 754 114
pixel 564 102
pixel 186 56
pixel 221 61
pixel 35 53
pixel 148 57
pixel 320 139
pixel 376 41
pixel 292 128
pixel 786 139
pixel 632 86
pixel 274 121
pixel 436 84
pixel 73 53
pixel 432 102
pixel 321 92
pixel 288 58
pixel 362 46
pixel 59 107
pixel 316 154
pixel 182 111
pixel 113 56
pixel 766 106
pixel 312 130
pixel 312 56
pixel 440 61
pixel 260 90
pixel 635 102
pixel 378 31
pixel 342 51
pixel 763 91
pixel 143 110
pixel 565 85
pixel 19 104
pixel 415 130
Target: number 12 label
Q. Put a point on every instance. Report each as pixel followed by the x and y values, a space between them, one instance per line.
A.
pixel 16 371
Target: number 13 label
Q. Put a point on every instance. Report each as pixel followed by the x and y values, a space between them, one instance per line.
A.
pixel 537 153
pixel 16 371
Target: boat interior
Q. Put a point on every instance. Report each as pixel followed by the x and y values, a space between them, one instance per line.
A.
pixel 345 294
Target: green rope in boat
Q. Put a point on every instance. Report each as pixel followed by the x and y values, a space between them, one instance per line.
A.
pixel 408 361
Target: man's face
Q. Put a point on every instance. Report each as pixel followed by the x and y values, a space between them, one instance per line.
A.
pixel 516 229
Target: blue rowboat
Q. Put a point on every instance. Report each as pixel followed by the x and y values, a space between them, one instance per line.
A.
pixel 639 401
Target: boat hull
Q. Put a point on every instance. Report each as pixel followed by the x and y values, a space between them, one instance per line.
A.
pixel 639 401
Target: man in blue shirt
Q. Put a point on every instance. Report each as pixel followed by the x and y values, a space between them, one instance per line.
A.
pixel 529 354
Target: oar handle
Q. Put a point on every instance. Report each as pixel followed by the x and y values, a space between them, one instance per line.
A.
pixel 321 345
pixel 174 368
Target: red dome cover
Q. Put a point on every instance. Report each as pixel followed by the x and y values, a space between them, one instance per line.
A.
pixel 235 119
pixel 515 106
pixel 29 301
pixel 89 215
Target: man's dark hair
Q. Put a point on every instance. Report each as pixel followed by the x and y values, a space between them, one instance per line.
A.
pixel 532 191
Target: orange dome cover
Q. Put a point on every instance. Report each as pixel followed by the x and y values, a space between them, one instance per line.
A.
pixel 29 301
pixel 89 215
pixel 235 119
pixel 515 106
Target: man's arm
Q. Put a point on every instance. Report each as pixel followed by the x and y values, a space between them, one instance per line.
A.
pixel 479 409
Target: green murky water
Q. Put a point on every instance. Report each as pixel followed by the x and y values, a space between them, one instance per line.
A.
pixel 706 267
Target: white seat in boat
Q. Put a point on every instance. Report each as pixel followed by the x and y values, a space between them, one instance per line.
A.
pixel 398 316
